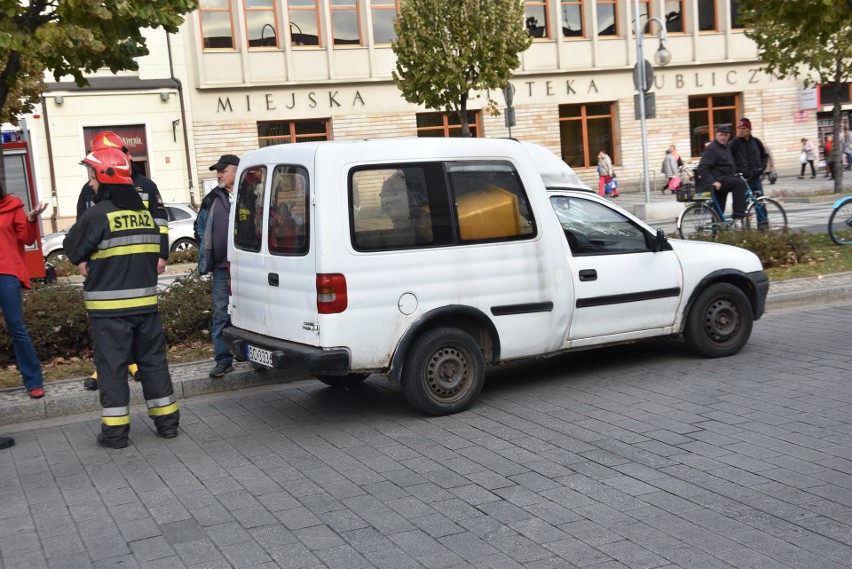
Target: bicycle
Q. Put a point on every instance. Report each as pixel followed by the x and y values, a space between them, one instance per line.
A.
pixel 840 221
pixel 707 216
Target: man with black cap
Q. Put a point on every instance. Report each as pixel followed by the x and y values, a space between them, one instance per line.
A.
pixel 211 234
pixel 718 171
pixel 750 156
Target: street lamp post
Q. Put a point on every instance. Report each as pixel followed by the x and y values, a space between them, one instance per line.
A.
pixel 662 57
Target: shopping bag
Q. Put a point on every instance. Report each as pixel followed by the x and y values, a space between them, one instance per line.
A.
pixel 674 183
pixel 611 186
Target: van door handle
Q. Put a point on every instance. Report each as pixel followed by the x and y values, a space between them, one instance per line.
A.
pixel 588 275
pixel 272 279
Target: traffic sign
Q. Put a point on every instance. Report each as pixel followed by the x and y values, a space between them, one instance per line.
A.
pixel 649 76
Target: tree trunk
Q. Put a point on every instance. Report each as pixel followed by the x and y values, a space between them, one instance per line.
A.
pixel 465 128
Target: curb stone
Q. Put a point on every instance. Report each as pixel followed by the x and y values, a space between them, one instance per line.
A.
pixel 68 397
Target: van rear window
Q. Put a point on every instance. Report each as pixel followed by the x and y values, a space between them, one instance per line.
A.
pixel 288 211
pixel 248 224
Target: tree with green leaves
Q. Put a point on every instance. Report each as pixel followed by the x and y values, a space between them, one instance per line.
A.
pixel 447 49
pixel 811 39
pixel 73 38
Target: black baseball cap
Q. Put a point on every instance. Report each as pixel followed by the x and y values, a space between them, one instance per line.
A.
pixel 225 160
pixel 724 128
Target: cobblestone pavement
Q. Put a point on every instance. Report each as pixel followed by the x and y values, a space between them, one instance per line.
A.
pixel 640 456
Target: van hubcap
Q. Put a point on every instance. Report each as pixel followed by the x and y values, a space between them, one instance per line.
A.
pixel 447 374
pixel 721 320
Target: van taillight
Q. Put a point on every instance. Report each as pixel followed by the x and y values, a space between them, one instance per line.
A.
pixel 331 294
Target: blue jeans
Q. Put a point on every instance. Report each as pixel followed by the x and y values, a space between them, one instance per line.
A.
pixel 13 311
pixel 756 185
pixel 221 318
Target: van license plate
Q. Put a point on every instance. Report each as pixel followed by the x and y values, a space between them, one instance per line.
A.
pixel 259 356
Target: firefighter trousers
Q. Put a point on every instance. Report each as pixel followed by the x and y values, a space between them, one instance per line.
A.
pixel 118 342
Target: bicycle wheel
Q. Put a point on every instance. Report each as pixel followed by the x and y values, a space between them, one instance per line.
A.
pixel 840 224
pixel 698 219
pixel 765 214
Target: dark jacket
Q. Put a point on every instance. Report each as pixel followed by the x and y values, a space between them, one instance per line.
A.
pixel 211 231
pixel 716 163
pixel 121 246
pixel 151 198
pixel 750 156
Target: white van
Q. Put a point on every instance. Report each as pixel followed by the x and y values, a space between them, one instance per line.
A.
pixel 428 259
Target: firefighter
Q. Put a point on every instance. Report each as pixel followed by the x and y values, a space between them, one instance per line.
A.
pixel 152 200
pixel 116 247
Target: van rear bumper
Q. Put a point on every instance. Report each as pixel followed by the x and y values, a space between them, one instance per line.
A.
pixel 289 356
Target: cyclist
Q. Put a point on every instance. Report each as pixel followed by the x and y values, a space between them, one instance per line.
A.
pixel 717 170
pixel 750 156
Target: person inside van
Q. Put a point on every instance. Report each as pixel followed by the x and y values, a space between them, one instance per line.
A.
pixel 288 215
pixel 411 223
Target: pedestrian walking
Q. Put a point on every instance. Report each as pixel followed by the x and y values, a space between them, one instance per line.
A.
pixel 116 246
pixel 671 171
pixel 211 234
pixel 606 175
pixel 809 155
pixel 18 229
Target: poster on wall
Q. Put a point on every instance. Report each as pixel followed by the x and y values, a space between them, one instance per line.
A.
pixel 808 98
pixel 134 139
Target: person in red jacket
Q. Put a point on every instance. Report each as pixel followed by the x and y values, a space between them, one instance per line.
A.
pixel 18 229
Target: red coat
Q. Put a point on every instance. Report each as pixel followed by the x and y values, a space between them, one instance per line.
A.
pixel 15 232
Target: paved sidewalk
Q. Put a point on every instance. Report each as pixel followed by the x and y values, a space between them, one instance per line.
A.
pixel 68 397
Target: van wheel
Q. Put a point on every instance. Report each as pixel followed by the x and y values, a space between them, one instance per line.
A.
pixel 443 372
pixel 720 322
pixel 344 381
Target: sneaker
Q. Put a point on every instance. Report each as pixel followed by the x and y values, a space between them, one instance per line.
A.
pixel 37 393
pixel 220 369
pixel 90 383
pixel 812 177
pixel 6 442
pixel 106 443
pixel 801 177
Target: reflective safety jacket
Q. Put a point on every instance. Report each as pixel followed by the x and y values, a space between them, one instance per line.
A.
pixel 122 247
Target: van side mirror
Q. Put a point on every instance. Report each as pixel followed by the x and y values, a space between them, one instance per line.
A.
pixel 660 241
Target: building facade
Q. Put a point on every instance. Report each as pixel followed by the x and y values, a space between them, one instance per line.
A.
pixel 260 72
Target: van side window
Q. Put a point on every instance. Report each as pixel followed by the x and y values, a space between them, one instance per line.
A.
pixel 288 211
pixel 594 229
pixel 398 208
pixel 490 202
pixel 248 224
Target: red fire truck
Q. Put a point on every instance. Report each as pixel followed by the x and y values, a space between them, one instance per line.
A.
pixel 17 158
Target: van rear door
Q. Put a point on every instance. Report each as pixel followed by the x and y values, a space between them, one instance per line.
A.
pixel 272 238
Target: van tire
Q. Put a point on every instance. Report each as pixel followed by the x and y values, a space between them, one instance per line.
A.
pixel 720 321
pixel 443 372
pixel 343 381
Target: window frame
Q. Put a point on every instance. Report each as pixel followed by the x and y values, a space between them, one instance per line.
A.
pixel 615 14
pixel 292 137
pixel 202 12
pixel 683 16
pixel 315 8
pixel 381 8
pixel 274 25
pixel 546 5
pixel 715 6
pixel 734 8
pixel 590 157
pixel 241 201
pixel 354 6
pixel 297 249
pixel 581 4
pixel 709 109
pixel 446 127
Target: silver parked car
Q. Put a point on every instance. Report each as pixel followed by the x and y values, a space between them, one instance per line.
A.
pixel 181 232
